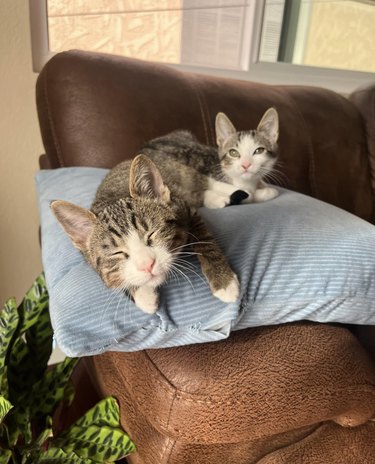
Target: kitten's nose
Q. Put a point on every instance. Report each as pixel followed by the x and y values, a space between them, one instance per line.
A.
pixel 246 165
pixel 148 266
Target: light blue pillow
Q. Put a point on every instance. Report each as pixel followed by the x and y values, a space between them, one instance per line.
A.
pixel 296 257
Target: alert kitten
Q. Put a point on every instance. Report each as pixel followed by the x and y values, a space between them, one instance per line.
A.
pixel 138 229
pixel 240 162
pixel 246 157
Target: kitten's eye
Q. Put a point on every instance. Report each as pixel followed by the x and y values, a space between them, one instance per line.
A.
pixel 233 153
pixel 118 253
pixel 259 150
pixel 149 241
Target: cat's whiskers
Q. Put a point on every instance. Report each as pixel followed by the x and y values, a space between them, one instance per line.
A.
pixel 114 325
pixel 179 271
pixel 115 292
pixel 128 310
pixel 189 267
pixel 186 253
pixel 172 273
pixel 274 175
pixel 188 244
pixel 218 173
pixel 194 236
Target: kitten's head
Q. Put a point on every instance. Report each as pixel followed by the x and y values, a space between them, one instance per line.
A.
pixel 247 153
pixel 133 241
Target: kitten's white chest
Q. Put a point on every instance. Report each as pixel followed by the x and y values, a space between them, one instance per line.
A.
pixel 249 184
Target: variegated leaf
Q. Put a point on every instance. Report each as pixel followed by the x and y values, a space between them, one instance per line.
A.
pixel 56 456
pixel 9 320
pixel 32 348
pixel 97 435
pixel 105 412
pixel 5 407
pixel 50 390
pixel 33 303
pixel 100 444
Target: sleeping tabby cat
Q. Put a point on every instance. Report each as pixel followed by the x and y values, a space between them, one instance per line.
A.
pixel 139 227
pixel 241 161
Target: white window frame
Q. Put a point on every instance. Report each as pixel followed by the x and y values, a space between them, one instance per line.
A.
pixel 342 81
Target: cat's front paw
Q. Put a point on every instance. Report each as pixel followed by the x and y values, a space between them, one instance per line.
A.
pixel 265 194
pixel 147 299
pixel 215 200
pixel 230 293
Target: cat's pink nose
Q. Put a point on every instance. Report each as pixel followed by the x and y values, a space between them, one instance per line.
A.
pixel 148 266
pixel 246 165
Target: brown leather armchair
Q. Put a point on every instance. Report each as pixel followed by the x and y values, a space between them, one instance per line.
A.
pixel 297 393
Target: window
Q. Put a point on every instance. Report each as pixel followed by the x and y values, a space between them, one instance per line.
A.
pixel 329 43
pixel 325 33
pixel 210 33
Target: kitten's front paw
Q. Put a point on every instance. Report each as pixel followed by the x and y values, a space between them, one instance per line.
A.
pixel 265 194
pixel 147 299
pixel 231 293
pixel 215 200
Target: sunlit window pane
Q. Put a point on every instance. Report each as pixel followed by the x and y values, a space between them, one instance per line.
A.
pixel 208 33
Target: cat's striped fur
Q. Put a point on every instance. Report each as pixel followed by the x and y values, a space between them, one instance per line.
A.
pixel 138 229
pixel 204 174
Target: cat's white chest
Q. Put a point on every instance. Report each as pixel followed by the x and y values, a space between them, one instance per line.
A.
pixel 250 184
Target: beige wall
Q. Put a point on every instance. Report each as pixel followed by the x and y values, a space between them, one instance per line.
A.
pixel 20 145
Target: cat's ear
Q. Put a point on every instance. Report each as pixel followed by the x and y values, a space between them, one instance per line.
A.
pixel 77 222
pixel 269 125
pixel 145 180
pixel 223 128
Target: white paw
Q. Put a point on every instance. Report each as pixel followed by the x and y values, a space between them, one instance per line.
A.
pixel 231 293
pixel 249 199
pixel 215 200
pixel 265 194
pixel 147 299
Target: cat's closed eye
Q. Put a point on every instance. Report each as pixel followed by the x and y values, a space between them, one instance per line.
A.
pixel 149 240
pixel 259 150
pixel 118 253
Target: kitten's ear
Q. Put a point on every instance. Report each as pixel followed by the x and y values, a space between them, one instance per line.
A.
pixel 145 180
pixel 77 222
pixel 223 128
pixel 269 125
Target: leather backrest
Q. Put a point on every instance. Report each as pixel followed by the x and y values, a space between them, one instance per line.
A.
pixel 97 110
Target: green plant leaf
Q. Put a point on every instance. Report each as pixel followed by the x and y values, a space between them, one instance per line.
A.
pixel 19 424
pixel 100 444
pixel 105 412
pixel 33 344
pixel 45 434
pixel 97 434
pixel 33 303
pixel 5 407
pixel 47 393
pixel 69 394
pixel 9 320
pixel 5 456
pixel 56 456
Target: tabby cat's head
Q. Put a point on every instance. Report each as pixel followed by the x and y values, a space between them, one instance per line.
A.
pixel 245 153
pixel 133 241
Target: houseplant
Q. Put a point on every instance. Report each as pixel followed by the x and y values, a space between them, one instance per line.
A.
pixel 30 393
